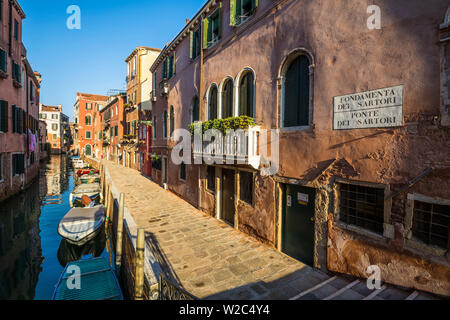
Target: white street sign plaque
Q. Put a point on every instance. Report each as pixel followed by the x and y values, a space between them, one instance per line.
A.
pixel 379 108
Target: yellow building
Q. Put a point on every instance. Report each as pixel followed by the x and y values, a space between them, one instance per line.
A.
pixel 139 104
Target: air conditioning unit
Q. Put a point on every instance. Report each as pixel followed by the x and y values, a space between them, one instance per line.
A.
pixel 154 99
pixel 166 89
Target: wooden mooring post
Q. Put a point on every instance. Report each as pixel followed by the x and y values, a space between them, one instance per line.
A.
pixel 120 231
pixel 140 254
pixel 108 200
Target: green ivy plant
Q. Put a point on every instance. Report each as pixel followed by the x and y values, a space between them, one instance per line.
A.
pixel 233 123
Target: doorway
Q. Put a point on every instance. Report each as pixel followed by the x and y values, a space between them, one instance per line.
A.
pixel 297 237
pixel 164 170
pixel 228 209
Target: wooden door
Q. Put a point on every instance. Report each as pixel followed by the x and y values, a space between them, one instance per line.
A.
pixel 298 223
pixel 228 210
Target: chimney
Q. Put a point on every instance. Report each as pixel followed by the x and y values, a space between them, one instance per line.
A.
pixel 187 21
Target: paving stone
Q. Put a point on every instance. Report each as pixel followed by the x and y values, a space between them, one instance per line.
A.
pixel 211 259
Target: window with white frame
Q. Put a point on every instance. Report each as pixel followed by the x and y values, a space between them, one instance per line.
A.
pixel 212 103
pixel 296 91
pixel 246 94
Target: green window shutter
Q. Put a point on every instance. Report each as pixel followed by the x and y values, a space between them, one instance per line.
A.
pixel 220 20
pixel 174 60
pixel 6 116
pixel 3 116
pixel 163 67
pixel 205 32
pixel 24 121
pixel 3 60
pixel 14 122
pixel 233 12
pixel 191 47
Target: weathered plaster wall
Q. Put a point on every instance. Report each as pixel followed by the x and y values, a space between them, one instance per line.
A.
pixel 352 254
pixel 259 220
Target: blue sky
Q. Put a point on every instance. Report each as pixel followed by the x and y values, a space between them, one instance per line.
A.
pixel 91 60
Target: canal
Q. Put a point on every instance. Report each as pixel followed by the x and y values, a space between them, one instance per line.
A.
pixel 32 253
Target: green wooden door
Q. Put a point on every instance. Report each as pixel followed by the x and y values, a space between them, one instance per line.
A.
pixel 228 211
pixel 298 223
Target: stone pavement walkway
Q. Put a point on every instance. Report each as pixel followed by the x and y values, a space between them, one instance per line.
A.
pixel 207 257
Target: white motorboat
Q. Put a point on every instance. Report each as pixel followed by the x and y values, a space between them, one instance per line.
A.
pixel 80 225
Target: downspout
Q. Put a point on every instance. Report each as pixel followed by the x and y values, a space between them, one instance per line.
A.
pixel 10 29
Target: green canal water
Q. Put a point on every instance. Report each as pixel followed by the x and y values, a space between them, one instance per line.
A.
pixel 32 253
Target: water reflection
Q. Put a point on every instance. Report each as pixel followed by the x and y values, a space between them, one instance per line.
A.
pixel 68 252
pixel 32 253
pixel 20 245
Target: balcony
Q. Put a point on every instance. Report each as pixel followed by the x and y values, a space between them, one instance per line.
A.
pixel 242 148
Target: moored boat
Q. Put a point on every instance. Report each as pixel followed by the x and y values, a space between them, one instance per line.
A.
pixel 80 225
pixel 97 281
pixel 92 190
pixel 88 178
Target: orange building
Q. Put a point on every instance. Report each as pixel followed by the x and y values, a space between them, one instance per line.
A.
pixel 86 107
pixel 139 105
pixel 113 125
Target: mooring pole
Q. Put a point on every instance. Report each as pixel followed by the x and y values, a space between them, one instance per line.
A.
pixel 140 253
pixel 108 200
pixel 120 231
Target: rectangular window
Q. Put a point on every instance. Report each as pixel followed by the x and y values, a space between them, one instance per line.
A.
pixel 241 10
pixel 116 131
pixel 17 73
pixel 88 106
pixel 3 60
pixel 195 44
pixel 88 135
pixel 16 29
pixel 362 206
pixel 18 164
pixel 431 224
pixel 165 125
pixel 183 171
pixel 211 178
pixel 55 116
pixel 212 28
pixel 154 127
pixel 3 116
pixel 54 127
pixel 246 187
pixel 55 137
pixel 164 69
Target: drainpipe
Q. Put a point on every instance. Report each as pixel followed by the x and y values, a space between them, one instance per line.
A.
pixel 200 98
pixel 10 29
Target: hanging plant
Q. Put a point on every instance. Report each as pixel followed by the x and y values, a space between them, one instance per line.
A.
pixel 232 123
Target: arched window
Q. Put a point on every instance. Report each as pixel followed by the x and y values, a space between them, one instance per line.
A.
pixel 172 121
pixel 88 150
pixel 296 95
pixel 195 110
pixel 212 103
pixel 165 124
pixel 246 95
pixel 227 99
